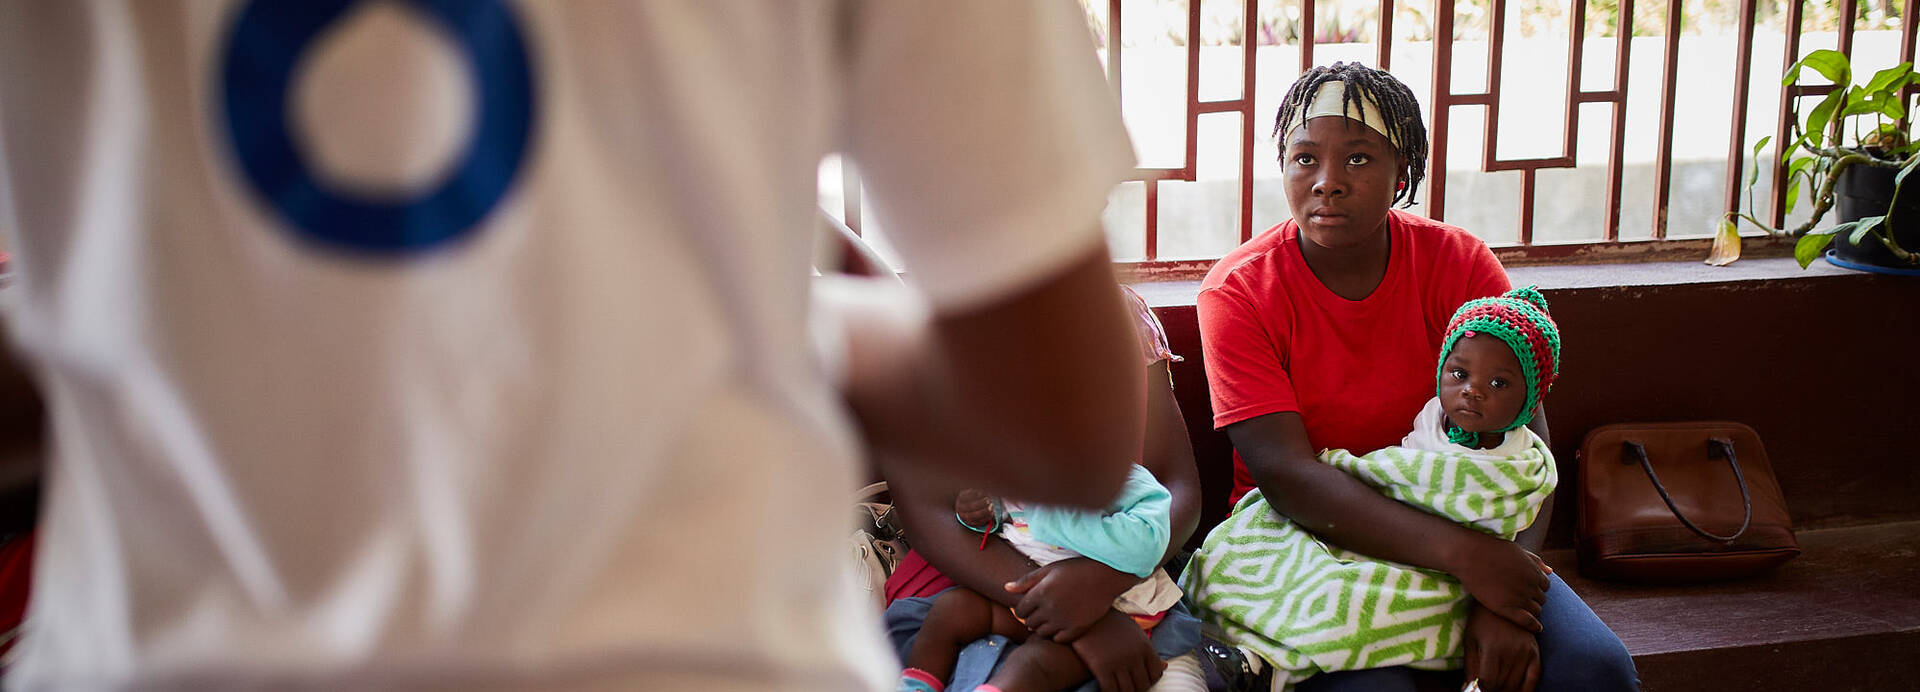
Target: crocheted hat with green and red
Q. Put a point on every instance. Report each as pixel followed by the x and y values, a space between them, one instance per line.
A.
pixel 1519 318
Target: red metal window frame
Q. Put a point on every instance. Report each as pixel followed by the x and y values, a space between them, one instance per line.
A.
pixel 1443 100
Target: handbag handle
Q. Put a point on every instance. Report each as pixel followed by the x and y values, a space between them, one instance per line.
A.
pixel 1725 447
pixel 861 497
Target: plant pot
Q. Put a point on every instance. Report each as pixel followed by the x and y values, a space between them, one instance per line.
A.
pixel 1864 191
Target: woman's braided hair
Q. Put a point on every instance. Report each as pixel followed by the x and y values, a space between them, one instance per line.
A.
pixel 1395 101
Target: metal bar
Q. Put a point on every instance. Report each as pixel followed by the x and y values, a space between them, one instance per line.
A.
pixel 1616 154
pixel 1496 47
pixel 1777 206
pixel 1443 101
pixel 1153 218
pixel 1531 164
pixel 1249 44
pixel 1598 96
pixel 1386 35
pixel 1306 33
pixel 1811 90
pixel 1186 174
pixel 1737 143
pixel 1849 11
pixel 1490 161
pixel 1113 46
pixel 1669 82
pixel 1576 43
pixel 1193 88
pixel 1526 206
pixel 1233 106
pixel 1907 18
pixel 1480 99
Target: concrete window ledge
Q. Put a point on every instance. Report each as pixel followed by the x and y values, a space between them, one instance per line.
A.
pixel 1598 276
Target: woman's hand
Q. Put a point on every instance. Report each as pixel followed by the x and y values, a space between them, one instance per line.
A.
pixel 1504 579
pixel 975 509
pixel 1061 601
pixel 1503 657
pixel 1119 654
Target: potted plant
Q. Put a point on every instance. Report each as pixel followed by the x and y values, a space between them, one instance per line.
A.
pixel 1851 151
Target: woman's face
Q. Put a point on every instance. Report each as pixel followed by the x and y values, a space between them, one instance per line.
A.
pixel 1481 386
pixel 1340 177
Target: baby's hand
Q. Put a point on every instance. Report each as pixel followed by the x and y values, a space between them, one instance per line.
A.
pixel 975 509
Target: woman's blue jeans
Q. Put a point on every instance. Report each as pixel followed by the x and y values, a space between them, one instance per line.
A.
pixel 1577 652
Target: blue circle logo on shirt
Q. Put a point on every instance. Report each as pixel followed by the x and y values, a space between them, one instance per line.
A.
pixel 265 46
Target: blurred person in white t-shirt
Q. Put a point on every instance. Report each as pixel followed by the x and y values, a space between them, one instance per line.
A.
pixel 429 344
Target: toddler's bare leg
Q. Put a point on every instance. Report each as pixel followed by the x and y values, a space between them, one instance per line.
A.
pixel 1039 665
pixel 958 617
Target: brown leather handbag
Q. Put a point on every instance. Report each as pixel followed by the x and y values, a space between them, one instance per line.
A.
pixel 1679 502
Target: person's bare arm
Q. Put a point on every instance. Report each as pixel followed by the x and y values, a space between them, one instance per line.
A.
pixel 1340 509
pixel 1169 455
pixel 1065 599
pixel 924 502
pixel 1036 396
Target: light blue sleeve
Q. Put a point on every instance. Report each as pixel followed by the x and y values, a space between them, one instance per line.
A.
pixel 1131 536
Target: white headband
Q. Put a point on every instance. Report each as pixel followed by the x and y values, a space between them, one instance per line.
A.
pixel 1330 100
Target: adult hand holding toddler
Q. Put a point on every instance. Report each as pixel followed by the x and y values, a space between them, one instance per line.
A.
pixel 1503 578
pixel 1063 600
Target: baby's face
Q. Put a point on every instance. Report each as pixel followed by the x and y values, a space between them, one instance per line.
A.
pixel 1481 385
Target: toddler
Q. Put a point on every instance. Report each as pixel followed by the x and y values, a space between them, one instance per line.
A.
pixel 1130 536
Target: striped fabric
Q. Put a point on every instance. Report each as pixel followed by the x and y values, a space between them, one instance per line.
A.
pixel 1308 607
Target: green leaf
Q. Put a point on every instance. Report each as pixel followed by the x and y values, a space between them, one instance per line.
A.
pixel 1793 192
pixel 1891 106
pixel 1902 175
pixel 1831 64
pixel 1865 227
pixel 1799 164
pixel 1884 80
pixel 1899 178
pixel 1859 101
pixel 1753 175
pixel 1810 246
pixel 1822 113
pixel 1859 104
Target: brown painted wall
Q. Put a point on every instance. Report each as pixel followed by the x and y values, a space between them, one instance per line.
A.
pixel 1826 368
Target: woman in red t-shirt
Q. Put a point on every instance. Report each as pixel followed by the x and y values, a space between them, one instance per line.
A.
pixel 1321 333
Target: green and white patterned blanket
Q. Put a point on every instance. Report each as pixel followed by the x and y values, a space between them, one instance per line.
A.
pixel 1307 607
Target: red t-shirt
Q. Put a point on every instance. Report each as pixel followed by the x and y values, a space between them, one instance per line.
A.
pixel 1357 372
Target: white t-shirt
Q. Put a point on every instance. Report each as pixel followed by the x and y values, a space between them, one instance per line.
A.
pixel 466 347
